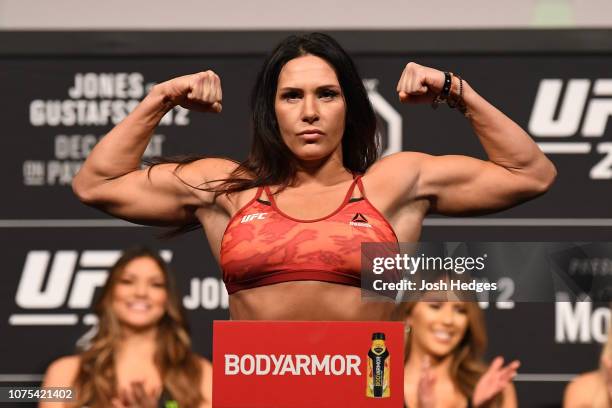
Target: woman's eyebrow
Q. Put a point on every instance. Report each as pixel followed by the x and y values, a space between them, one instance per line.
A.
pixel 291 88
pixel 328 86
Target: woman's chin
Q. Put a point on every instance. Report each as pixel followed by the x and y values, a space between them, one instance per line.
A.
pixel 312 155
pixel 440 352
pixel 139 324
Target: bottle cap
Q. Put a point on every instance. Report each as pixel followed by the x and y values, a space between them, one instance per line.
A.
pixel 378 336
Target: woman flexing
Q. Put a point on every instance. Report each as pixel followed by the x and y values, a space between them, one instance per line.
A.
pixel 287 223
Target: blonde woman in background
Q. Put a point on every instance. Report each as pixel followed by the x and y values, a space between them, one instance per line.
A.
pixel 141 355
pixel 592 389
pixel 444 365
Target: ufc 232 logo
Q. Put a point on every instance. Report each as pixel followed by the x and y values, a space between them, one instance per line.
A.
pixel 62 280
pixel 68 280
pixel 583 111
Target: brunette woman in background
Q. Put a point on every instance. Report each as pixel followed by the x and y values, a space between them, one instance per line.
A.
pixel 141 355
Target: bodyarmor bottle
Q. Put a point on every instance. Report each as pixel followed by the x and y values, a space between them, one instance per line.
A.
pixel 379 368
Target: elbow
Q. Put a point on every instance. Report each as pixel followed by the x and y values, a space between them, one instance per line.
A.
pixel 550 175
pixel 544 179
pixel 83 192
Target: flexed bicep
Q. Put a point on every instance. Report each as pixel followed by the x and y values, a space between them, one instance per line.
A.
pixel 516 169
pixel 165 194
pixel 111 180
pixel 462 185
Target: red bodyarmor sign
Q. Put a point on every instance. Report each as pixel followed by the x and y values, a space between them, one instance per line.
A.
pixel 308 364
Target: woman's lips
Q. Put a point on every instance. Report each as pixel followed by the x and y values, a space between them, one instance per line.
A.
pixel 310 136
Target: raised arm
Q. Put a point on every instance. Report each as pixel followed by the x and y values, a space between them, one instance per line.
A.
pixel 516 169
pixel 111 178
pixel 497 379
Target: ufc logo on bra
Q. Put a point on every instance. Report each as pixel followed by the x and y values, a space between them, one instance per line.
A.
pixel 251 217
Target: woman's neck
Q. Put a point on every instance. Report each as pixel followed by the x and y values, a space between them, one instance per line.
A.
pixel 440 366
pixel 138 342
pixel 324 172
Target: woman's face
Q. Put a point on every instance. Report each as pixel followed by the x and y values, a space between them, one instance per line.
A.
pixel 310 108
pixel 139 294
pixel 438 327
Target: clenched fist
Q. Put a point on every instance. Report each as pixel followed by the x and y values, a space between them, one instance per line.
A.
pixel 419 84
pixel 199 92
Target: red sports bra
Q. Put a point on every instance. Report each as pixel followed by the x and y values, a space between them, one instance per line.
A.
pixel 262 245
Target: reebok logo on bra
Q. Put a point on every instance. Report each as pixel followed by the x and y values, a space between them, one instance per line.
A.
pixel 360 221
pixel 251 217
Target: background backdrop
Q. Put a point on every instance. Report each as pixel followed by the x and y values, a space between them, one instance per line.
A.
pixel 62 91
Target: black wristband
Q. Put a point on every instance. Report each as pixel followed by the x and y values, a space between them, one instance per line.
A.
pixel 445 93
pixel 446 88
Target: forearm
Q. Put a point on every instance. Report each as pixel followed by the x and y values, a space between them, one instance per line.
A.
pixel 121 150
pixel 505 142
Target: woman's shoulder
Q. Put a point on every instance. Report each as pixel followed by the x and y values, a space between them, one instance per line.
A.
pixel 223 163
pixel 583 386
pixel 204 362
pixel 63 371
pixel 590 379
pixel 211 168
pixel 205 365
pixel 395 177
pixel 66 363
pixel 405 164
pixel 399 159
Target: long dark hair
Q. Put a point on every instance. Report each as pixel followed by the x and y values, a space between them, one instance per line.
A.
pixel 178 366
pixel 270 159
pixel 270 162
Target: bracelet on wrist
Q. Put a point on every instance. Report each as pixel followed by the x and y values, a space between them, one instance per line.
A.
pixel 446 88
pixel 445 95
